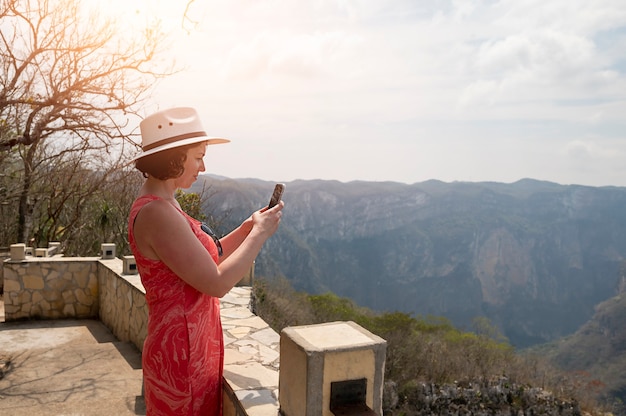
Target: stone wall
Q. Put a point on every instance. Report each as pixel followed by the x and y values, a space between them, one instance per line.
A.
pixel 51 288
pixel 93 287
pixel 98 288
pixel 122 303
pixel 81 287
pixel 4 254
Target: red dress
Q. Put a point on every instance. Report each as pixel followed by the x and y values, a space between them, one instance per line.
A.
pixel 183 354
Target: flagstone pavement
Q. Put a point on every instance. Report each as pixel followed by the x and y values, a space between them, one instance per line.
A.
pixel 78 368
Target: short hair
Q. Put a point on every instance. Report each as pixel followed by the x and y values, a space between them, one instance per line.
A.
pixel 166 164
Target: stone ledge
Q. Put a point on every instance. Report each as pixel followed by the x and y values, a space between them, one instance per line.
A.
pixel 118 300
pixel 251 355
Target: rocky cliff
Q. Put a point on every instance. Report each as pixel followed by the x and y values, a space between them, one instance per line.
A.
pixel 597 351
pixel 534 257
pixel 494 398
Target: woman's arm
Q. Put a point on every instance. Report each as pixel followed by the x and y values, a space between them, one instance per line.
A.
pixel 232 240
pixel 163 233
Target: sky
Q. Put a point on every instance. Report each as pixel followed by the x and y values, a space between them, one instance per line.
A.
pixel 404 90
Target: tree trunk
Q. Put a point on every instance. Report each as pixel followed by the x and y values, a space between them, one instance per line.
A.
pixel 25 209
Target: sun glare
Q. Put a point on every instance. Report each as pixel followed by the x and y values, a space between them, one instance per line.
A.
pixel 131 15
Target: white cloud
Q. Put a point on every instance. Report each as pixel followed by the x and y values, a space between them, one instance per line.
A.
pixel 586 150
pixel 520 79
pixel 303 56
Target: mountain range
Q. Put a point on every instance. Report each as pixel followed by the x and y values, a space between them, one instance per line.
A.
pixel 534 257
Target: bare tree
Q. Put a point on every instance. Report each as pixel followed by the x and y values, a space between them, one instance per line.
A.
pixel 70 87
pixel 9 195
pixel 103 217
pixel 83 207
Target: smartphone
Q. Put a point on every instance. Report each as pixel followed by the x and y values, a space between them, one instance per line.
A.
pixel 277 194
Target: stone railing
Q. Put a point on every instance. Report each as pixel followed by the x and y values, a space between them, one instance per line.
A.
pixel 122 303
pixel 51 288
pixel 4 255
pixel 76 287
pixel 324 361
pixel 60 287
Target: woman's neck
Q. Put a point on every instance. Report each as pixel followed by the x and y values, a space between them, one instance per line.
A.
pixel 163 189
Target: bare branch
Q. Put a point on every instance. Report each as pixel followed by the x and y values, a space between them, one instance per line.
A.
pixel 71 84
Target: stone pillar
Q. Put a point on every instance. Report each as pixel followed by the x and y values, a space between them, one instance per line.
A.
pixel 330 366
pixel 129 265
pixel 18 252
pixel 108 251
pixel 54 248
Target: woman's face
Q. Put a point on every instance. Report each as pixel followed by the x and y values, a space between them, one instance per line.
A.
pixel 194 164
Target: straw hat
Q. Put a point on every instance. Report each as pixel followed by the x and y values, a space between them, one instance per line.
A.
pixel 171 128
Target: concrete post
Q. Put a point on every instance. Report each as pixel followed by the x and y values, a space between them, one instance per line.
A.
pixel 129 265
pixel 18 252
pixel 54 248
pixel 108 251
pixel 330 365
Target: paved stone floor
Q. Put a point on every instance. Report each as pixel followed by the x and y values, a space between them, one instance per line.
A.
pixel 78 368
pixel 68 367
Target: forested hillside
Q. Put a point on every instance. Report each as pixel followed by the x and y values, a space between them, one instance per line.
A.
pixel 432 368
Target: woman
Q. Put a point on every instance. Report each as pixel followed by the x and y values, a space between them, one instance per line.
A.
pixel 183 269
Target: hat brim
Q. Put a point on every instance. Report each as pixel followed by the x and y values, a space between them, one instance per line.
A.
pixel 184 142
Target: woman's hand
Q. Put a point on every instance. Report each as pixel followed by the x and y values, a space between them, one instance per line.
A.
pixel 266 221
